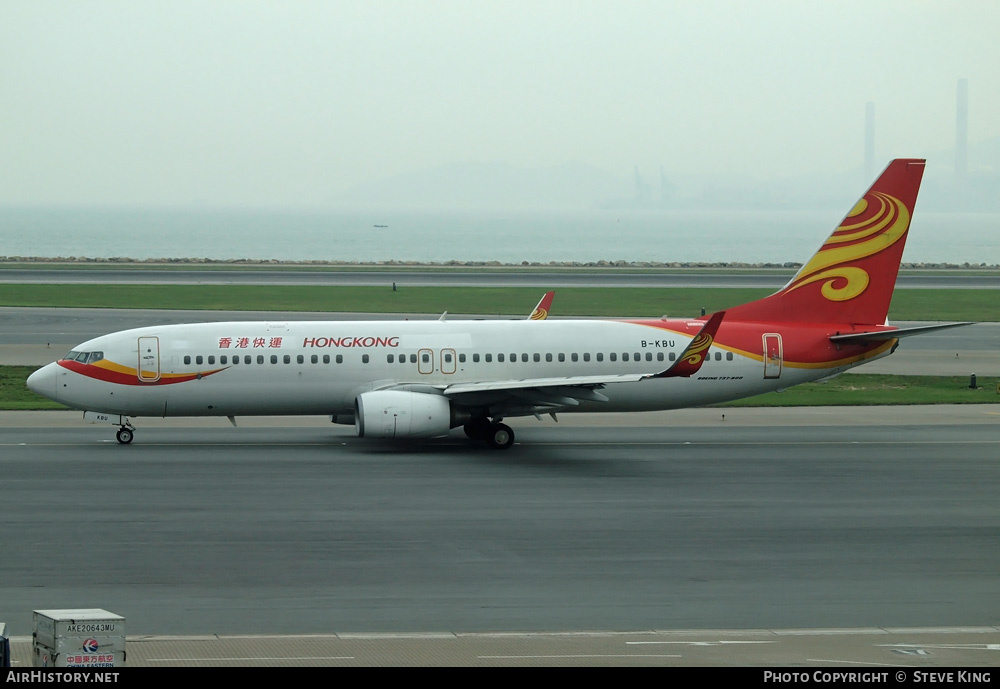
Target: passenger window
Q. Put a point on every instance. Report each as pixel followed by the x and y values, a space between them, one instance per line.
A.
pixel 288 359
pixel 198 360
pixel 260 358
pixel 624 356
pixel 236 360
pixel 500 358
pixel 211 359
pixel 447 357
pixel 314 358
pixel 659 356
pixel 340 358
pixel 187 359
pixel 524 357
pixel 548 357
pixel 300 359
pixel 729 356
pixel 562 357
pixel 461 358
pixel 326 358
pixel 637 357
pixel 600 356
pixel 613 356
pixel 513 357
pixel 718 356
pixel 536 357
pixel 223 359
pixel 586 356
pixel 475 358
pixel 413 358
pixel 274 358
pixel 672 356
pixel 364 358
pixel 649 356
pixel 390 358
pixel 489 358
pixel 574 356
pixel 425 358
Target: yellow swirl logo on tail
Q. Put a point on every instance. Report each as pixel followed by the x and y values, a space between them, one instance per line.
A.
pixel 884 223
pixel 696 350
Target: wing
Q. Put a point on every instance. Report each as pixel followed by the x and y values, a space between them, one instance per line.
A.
pixel 547 395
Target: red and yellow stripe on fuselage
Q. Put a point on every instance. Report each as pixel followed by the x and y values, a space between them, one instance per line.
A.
pixel 110 372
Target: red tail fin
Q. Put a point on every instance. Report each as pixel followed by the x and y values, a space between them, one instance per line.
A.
pixel 851 277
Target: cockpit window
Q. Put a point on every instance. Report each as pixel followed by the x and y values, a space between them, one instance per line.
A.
pixel 84 357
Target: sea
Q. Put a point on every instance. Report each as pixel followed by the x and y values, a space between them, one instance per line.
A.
pixel 506 237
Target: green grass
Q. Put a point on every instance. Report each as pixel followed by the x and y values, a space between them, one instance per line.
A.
pixel 860 389
pixel 907 305
pixel 848 389
pixel 15 395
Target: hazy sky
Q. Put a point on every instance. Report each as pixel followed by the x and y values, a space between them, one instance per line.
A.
pixel 292 102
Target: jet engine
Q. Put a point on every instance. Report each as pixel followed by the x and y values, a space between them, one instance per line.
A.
pixel 402 414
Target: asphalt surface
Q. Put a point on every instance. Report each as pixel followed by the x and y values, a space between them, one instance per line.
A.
pixel 833 535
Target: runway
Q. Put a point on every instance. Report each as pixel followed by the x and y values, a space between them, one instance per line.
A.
pixel 859 520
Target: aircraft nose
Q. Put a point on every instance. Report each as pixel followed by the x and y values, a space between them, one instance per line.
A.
pixel 43 381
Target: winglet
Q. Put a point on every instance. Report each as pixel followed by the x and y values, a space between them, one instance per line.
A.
pixel 541 311
pixel 694 354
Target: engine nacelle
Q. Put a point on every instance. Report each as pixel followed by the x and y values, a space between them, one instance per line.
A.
pixel 402 414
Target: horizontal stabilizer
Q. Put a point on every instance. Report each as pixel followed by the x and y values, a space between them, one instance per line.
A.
pixel 882 335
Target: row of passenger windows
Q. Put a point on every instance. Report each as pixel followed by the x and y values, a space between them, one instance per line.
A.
pixel 425 357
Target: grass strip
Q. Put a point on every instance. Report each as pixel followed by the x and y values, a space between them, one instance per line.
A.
pixel 907 304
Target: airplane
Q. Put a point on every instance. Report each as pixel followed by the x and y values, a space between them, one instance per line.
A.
pixel 421 379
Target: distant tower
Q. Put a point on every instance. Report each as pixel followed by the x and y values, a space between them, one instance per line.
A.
pixel 666 188
pixel 641 188
pixel 962 128
pixel 869 141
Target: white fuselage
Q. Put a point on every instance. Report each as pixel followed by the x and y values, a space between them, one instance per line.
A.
pixel 317 367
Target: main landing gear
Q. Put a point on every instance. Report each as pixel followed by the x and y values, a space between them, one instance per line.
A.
pixel 125 434
pixel 497 435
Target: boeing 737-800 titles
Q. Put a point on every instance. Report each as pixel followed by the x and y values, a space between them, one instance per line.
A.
pixel 420 379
